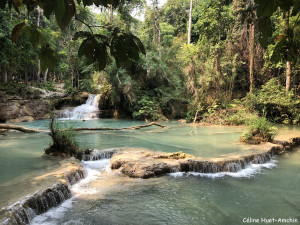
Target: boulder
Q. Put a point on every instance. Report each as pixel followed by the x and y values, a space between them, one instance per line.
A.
pixel 40 108
pixel 24 110
pixel 9 110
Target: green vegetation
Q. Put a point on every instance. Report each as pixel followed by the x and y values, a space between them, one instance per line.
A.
pixel 259 130
pixel 19 89
pixel 238 60
pixel 272 102
pixel 47 86
pixel 64 143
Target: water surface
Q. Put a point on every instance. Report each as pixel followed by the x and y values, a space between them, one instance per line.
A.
pixel 111 198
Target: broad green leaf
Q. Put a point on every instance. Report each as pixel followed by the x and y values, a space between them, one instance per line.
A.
pixel 81 49
pixel 16 32
pixel 279 52
pixel 95 52
pixel 265 30
pixel 33 34
pixel 100 56
pixel 125 48
pixel 49 58
pixel 64 11
pixel 266 8
pixel 89 49
pixel 81 34
pixel 48 7
pixel 139 44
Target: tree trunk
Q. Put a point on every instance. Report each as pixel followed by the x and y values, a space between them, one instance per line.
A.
pixel 111 15
pixel 9 77
pixel 190 23
pixel 288 63
pixel 157 26
pixel 72 78
pixel 288 76
pixel 77 79
pixel 26 76
pixel 45 75
pixel 251 55
pixel 218 54
pixel 5 75
pixel 38 75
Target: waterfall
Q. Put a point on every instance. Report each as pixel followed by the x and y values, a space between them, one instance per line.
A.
pixel 225 166
pixel 243 167
pixel 23 212
pixel 87 111
pixel 98 154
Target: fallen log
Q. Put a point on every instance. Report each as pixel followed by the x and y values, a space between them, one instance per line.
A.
pixel 19 128
pixel 28 130
pixel 123 128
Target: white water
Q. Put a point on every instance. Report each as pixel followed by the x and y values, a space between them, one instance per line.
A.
pixel 93 171
pixel 248 172
pixel 87 111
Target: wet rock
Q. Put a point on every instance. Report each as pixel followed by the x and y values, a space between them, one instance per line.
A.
pixel 46 94
pixel 24 110
pixel 145 163
pixel 141 163
pixel 9 110
pixel 22 212
pixel 21 119
pixel 62 103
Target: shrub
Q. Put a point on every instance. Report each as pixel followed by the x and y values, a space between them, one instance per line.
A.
pixel 64 142
pixel 146 109
pixel 238 115
pixel 259 130
pixel 272 102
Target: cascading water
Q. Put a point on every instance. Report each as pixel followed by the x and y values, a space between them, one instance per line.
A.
pixel 244 167
pixel 32 208
pixel 98 154
pixel 87 111
pixel 23 212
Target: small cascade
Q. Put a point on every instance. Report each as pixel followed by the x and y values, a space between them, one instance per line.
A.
pixel 23 212
pixel 225 166
pixel 98 154
pixel 87 111
pixel 74 176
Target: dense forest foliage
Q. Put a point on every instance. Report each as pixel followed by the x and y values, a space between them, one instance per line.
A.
pixel 209 61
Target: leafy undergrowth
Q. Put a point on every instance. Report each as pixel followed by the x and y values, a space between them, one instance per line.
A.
pixel 49 86
pixel 231 114
pixel 19 89
pixel 272 102
pixel 259 130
